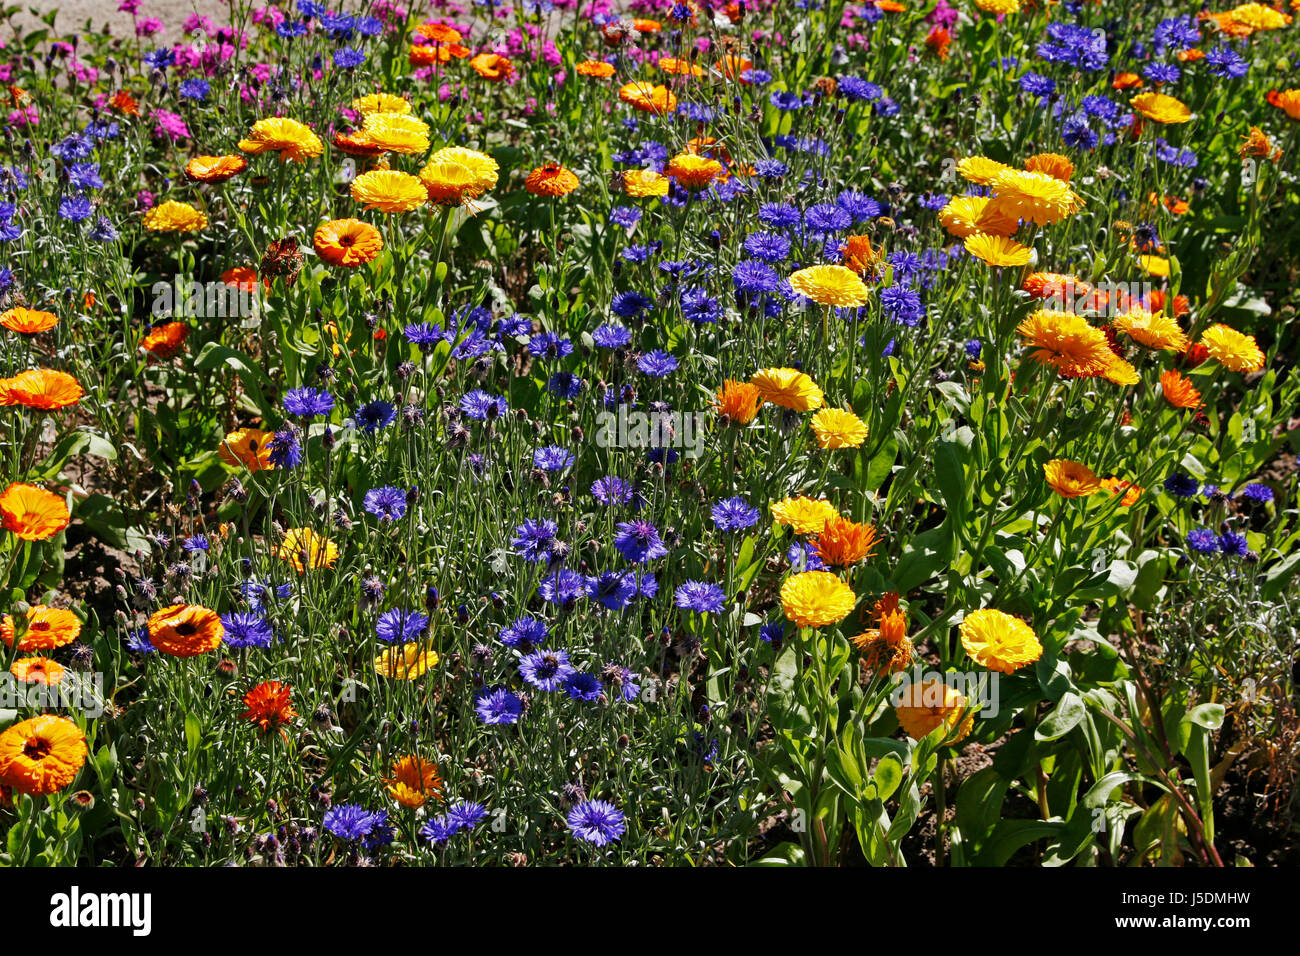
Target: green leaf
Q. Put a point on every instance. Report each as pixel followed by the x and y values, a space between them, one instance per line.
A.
pixel 1065 716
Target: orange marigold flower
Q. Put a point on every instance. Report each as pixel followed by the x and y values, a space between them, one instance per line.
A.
pixel 1190 56
pixel 270 706
pixel 1126 81
pixel 926 706
pixel 647 97
pixel 439 33
pixel 597 68
pixel 1288 101
pixel 47 628
pixel 860 256
pixel 347 242
pixel 693 172
pixel 1071 479
pixel 28 321
pixel 294 141
pixel 414 780
pixel 40 388
pixel 734 67
pixel 41 755
pixel 355 143
pixel 1051 164
pixel 32 513
pixel 998 641
pixel 214 169
pixel 249 447
pixel 788 388
pixel 937 41
pixel 166 340
pixel 243 278
pixel 1130 491
pixel 843 543
pixel 124 103
pixel 1257 144
pixel 641 25
pixel 185 630
pixel 678 67
pixel 738 401
pixel 37 670
pixel 886 648
pixel 492 66
pixel 551 179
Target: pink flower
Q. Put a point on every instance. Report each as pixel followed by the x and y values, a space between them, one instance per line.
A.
pixel 197 21
pixel 24 117
pixel 144 198
pixel 129 6
pixel 170 125
pixel 148 27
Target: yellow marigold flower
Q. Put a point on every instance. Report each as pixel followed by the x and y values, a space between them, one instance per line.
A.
pixel 1257 16
pixel 838 428
pixel 1036 197
pixel 304 548
pixel 46 389
pixel 842 543
pixel 32 513
pixel 173 216
pixel 41 755
pixel 396 133
pixel 966 215
pixel 999 641
pixel 1071 479
pixel 551 179
pixel 830 285
pixel 816 599
pixel 739 401
pixel 28 321
pixel 1155 330
pixel 1155 265
pixel 405 662
pixel 1120 372
pixel 1160 108
pixel 381 103
pixel 414 780
pixel 1066 342
pixel 640 183
pixel 693 171
pixel 389 190
pixel 1051 164
pixel 788 388
pixel 215 169
pixel 47 628
pixel 999 6
pixel 805 515
pixel 37 670
pixel 980 169
pixel 279 134
pixel 997 250
pixel 249 447
pixel 928 705
pixel 1232 349
pixel 454 175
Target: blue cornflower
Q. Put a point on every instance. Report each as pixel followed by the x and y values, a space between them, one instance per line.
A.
pixel 1227 63
pixel 622 681
pixel 858 205
pixel 852 88
pixel 198 542
pixel 442 828
pixel 626 216
pixel 902 305
pixel 698 306
pixel 423 334
pixel 630 305
pixel 786 100
pixel 523 631
pixel 1038 85
pixel 386 503
pixel 73 148
pixel 657 364
pixel 348 58
pixel 770 169
pixel 75 208
pixel 1233 544
pixel 350 821
pixel 612 490
pixel 776 215
pixel 285 448
pixel 1076 132
pixel 613 589
pixel 480 405
pixel 1162 72
pixel 754 278
pixel 596 822
pixel 549 345
pixel 767 246
pixel 1261 494
pixel 583 686
pixel 291 28
pixel 734 514
pixel 534 539
pixel 803 556
pixel 400 626
pixel 195 89
pixel 246 629
pixel 700 596
pixel 638 541
pixel 84 177
pixel 159 59
pixel 565 385
pixel 1182 486
pixel 545 669
pixel 466 814
pixel 308 402
pixel 564 587
pixel 1203 541
pixel 375 415
pixel 973 349
pixel 553 458
pixel 496 705
pixel 826 218
pixel 611 336
pixel 138 641
pixel 773 633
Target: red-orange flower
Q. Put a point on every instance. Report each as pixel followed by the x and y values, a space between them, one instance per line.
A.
pixel 214 169
pixel 185 630
pixel 844 542
pixel 28 321
pixel 492 66
pixel 32 513
pixel 347 242
pixel 1178 391
pixel 551 179
pixel 41 755
pixel 596 68
pixel 40 388
pixel 270 706
pixel 47 628
pixel 738 401
pixel 166 340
